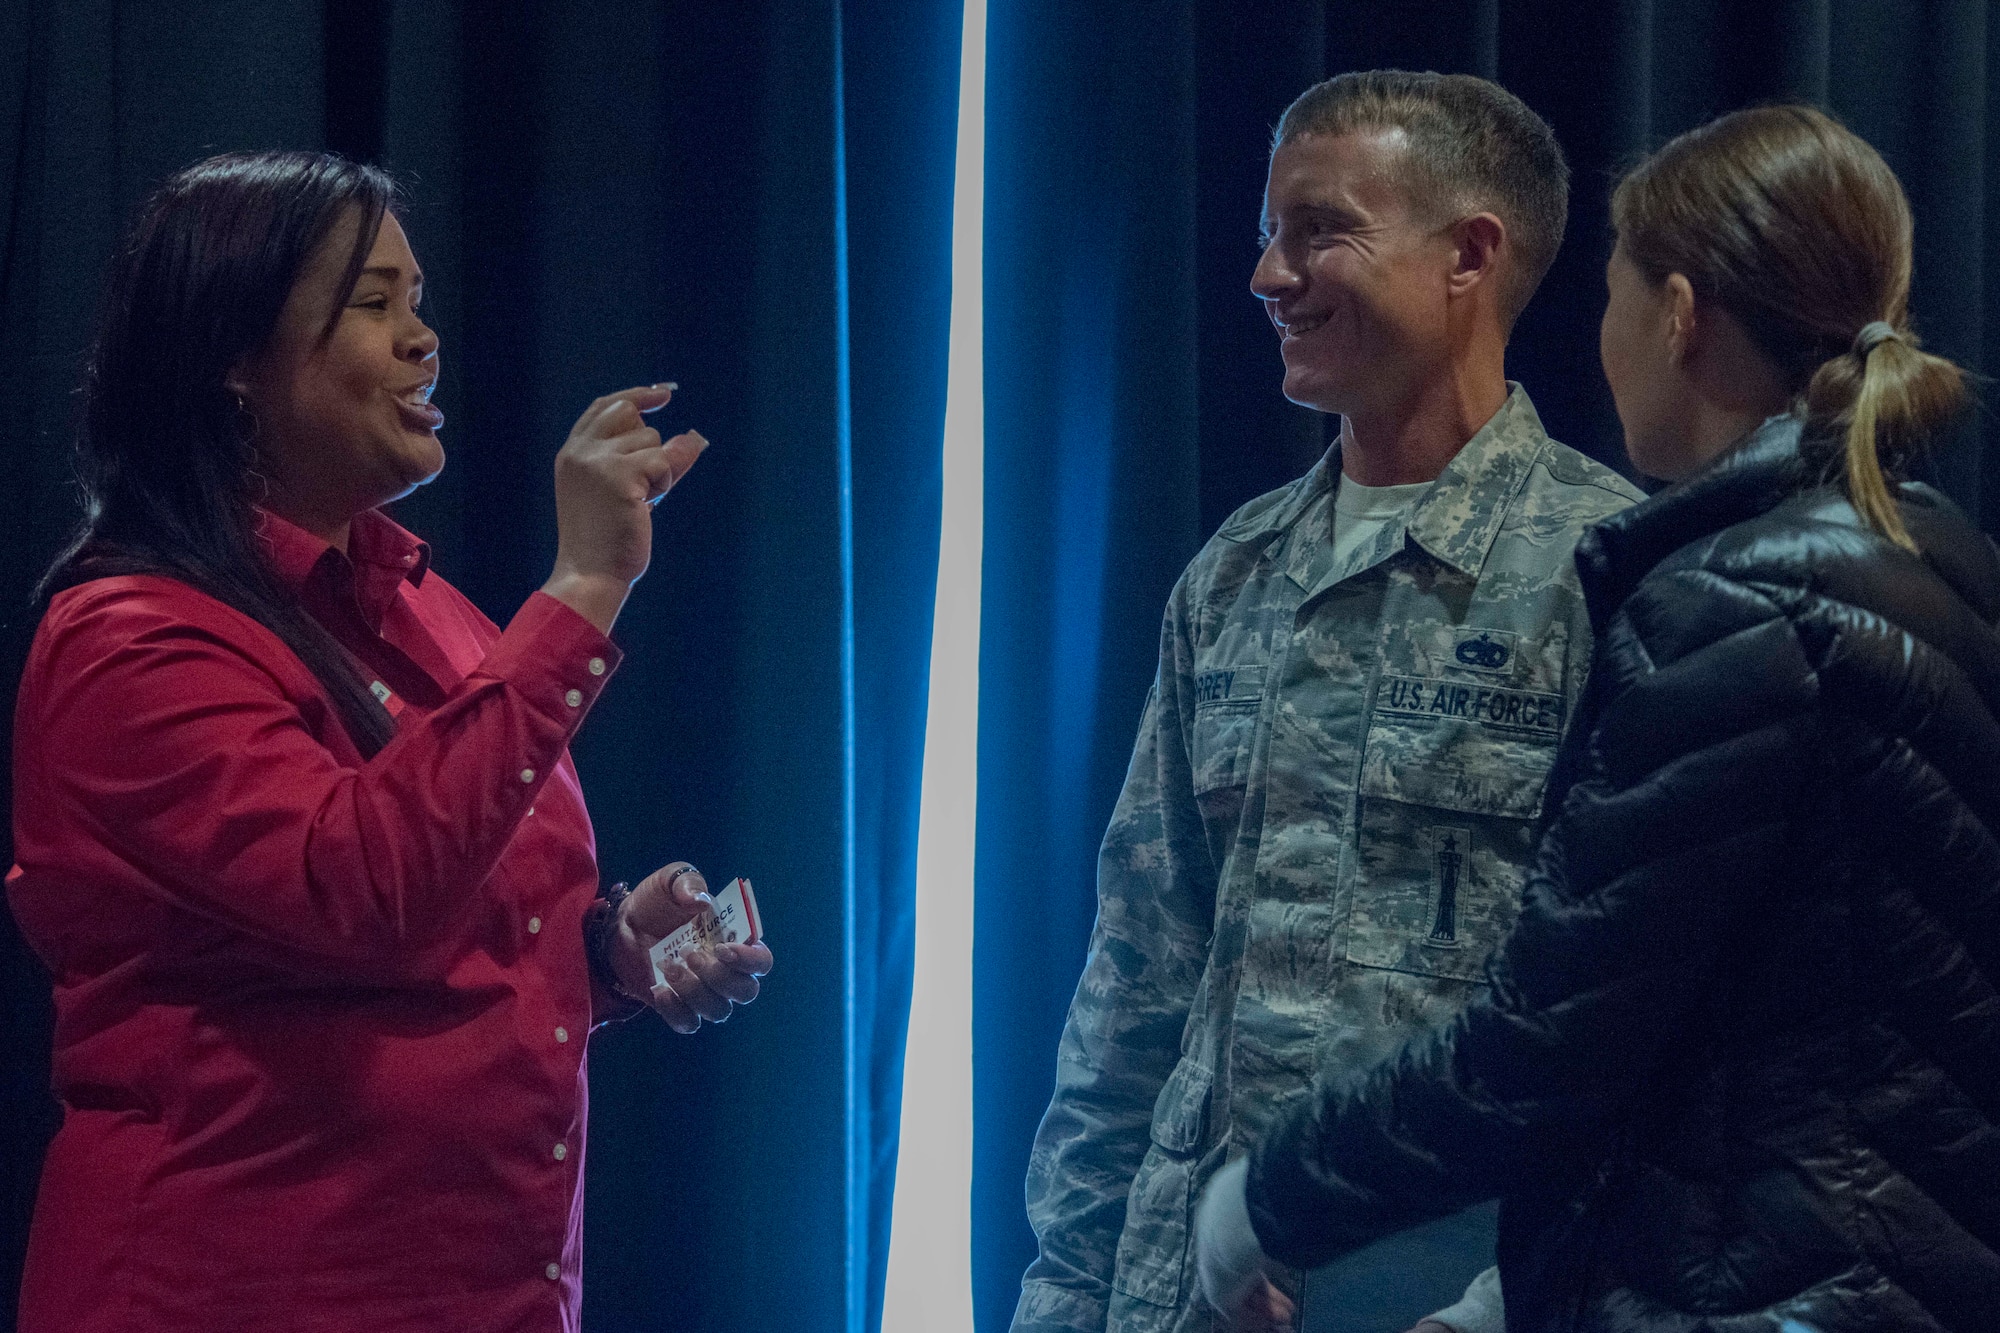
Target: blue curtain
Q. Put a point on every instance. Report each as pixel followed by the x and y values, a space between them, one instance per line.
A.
pixel 1133 383
pixel 753 199
pixel 1091 509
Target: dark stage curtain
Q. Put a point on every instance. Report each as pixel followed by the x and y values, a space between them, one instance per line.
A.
pixel 752 199
pixel 1133 384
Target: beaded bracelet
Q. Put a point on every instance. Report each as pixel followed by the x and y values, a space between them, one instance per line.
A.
pixel 599 927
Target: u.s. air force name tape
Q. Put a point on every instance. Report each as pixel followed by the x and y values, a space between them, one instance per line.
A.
pixel 1523 710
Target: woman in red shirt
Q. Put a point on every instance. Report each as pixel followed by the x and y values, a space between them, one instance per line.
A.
pixel 297 828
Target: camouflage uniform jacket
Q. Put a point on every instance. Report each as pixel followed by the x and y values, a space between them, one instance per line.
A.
pixel 1326 822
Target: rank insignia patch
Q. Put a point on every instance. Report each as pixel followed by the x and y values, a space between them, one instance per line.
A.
pixel 1484 650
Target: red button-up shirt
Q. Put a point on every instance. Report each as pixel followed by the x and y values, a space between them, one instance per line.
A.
pixel 320 1023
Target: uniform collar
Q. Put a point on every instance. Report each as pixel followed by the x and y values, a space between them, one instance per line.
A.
pixel 381 555
pixel 1455 521
pixel 1260 521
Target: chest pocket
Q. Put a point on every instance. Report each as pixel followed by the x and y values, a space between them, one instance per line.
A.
pixel 1461 736
pixel 1227 701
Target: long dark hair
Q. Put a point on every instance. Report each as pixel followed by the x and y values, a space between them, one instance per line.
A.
pixel 1796 226
pixel 165 455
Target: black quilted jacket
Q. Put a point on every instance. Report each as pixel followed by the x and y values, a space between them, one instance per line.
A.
pixel 1739 1062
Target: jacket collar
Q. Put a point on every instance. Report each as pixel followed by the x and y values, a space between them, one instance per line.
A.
pixel 1750 478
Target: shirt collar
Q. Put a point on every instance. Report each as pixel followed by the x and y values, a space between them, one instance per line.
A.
pixel 377 539
pixel 381 554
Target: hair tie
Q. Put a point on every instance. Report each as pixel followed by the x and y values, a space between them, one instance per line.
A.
pixel 1872 336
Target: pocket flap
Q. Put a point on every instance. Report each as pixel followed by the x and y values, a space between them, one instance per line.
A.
pixel 1456 766
pixel 1182 1108
pixel 1225 721
pixel 1466 717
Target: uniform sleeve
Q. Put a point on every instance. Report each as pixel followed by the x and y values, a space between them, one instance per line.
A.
pixel 1655 861
pixel 1156 887
pixel 164 739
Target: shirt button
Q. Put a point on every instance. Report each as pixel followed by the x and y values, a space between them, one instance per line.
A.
pixel 552 1272
pixel 527 775
pixel 596 666
pixel 534 925
pixel 562 1034
pixel 561 1151
pixel 531 809
pixel 574 698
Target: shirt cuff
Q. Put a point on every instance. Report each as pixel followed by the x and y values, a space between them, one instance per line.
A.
pixel 1480 1310
pixel 1229 1259
pixel 607 1004
pixel 554 658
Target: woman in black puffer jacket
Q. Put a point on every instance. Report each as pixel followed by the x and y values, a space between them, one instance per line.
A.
pixel 1739 1062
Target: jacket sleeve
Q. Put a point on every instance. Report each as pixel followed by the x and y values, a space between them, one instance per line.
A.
pixel 1156 884
pixel 1686 802
pixel 164 738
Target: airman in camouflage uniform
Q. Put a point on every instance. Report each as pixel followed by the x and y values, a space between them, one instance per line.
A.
pixel 1325 828
pixel 1323 832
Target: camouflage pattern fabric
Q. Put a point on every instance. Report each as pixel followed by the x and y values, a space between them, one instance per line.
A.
pixel 1323 832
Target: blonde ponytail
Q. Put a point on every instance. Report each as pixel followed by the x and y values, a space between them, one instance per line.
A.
pixel 1794 225
pixel 1885 398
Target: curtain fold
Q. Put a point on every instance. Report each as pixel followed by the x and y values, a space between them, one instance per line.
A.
pixel 753 200
pixel 899 65
pixel 1133 384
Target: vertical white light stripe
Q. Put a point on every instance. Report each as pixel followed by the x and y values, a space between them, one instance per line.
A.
pixel 930 1249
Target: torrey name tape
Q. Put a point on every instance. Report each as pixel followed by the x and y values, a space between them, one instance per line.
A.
pixel 733 921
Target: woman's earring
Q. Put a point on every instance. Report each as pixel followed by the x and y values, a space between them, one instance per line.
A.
pixel 260 484
pixel 246 417
pixel 247 424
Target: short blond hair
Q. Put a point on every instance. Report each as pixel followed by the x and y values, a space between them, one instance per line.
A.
pixel 1474 147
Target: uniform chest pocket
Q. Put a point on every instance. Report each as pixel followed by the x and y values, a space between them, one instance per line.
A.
pixel 1457 755
pixel 1227 701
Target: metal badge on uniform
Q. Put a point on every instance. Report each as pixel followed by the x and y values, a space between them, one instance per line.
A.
pixel 1485 649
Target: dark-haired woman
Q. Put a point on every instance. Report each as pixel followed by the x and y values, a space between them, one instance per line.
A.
pixel 297 829
pixel 1738 1066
